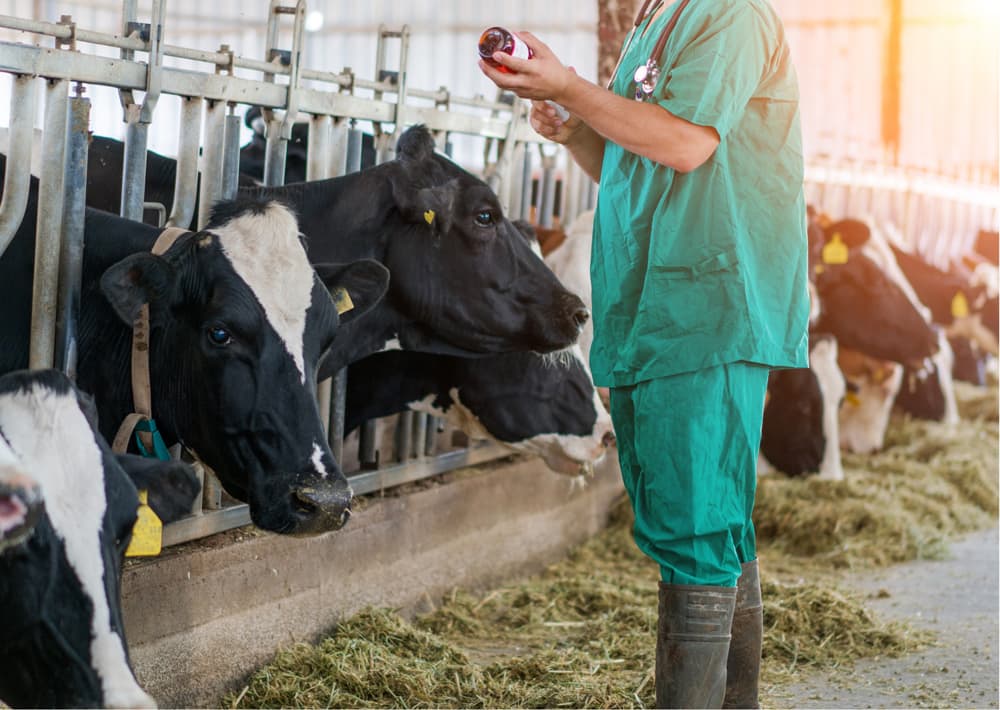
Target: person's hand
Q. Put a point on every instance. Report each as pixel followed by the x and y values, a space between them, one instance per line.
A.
pixel 539 78
pixel 547 124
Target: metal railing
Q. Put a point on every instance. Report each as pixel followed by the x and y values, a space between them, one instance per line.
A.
pixel 333 111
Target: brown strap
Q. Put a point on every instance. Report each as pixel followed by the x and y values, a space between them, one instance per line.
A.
pixel 142 398
pixel 661 43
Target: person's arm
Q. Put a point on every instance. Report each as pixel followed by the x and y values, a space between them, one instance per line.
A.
pixel 643 128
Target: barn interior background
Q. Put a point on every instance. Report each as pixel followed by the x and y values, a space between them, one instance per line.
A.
pixel 900 98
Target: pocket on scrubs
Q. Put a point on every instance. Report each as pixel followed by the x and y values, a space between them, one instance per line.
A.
pixel 705 297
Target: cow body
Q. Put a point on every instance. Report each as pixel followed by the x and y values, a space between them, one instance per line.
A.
pixel 62 640
pixel 233 352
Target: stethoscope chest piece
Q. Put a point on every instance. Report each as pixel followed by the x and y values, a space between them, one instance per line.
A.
pixel 645 78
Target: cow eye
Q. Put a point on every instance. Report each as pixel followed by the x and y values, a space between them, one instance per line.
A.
pixel 219 336
pixel 484 218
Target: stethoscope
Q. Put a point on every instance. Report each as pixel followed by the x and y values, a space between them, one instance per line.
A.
pixel 647 74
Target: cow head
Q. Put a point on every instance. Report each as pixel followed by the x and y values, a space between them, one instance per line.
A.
pixel 861 304
pixel 461 268
pixel 61 634
pixel 239 320
pixel 20 499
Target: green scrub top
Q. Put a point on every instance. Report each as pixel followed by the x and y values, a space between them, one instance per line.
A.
pixel 709 267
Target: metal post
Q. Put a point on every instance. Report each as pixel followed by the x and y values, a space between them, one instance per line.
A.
pixel 17 174
pixel 186 181
pixel 367 454
pixel 134 164
pixel 404 436
pixel 526 186
pixel 420 427
pixel 353 160
pixel 546 202
pixel 71 260
pixel 48 234
pixel 211 160
pixel 230 156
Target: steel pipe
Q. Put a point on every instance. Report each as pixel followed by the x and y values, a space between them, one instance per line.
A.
pixel 211 160
pixel 186 180
pixel 17 173
pixel 71 258
pixel 134 164
pixel 231 156
pixel 48 234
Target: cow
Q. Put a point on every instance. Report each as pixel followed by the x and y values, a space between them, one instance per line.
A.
pixel 526 402
pixel 873 385
pixel 239 321
pixel 62 640
pixel 20 499
pixel 464 280
pixel 800 432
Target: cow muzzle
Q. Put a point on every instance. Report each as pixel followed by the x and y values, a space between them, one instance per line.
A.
pixel 21 507
pixel 321 506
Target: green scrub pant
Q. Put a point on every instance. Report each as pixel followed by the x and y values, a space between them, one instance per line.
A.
pixel 688 447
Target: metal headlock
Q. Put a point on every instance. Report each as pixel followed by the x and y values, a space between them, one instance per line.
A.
pixel 209 97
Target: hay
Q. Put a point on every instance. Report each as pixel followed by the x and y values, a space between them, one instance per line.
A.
pixel 582 634
pixel 929 483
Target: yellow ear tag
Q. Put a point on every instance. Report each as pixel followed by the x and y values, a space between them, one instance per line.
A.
pixel 429 216
pixel 835 251
pixel 147 534
pixel 342 300
pixel 852 399
pixel 959 306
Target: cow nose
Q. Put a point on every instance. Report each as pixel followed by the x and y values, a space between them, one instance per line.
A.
pixel 325 506
pixel 580 317
pixel 574 309
pixel 608 439
pixel 21 506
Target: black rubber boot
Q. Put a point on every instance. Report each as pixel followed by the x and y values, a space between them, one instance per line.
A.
pixel 692 645
pixel 743 668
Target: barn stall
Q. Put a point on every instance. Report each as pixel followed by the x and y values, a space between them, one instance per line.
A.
pixel 223 597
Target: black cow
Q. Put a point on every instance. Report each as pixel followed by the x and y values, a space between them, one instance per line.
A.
pixel 62 641
pixel 530 403
pixel 861 304
pixel 238 322
pixel 464 280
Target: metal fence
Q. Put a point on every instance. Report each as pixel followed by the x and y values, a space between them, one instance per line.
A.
pixel 210 89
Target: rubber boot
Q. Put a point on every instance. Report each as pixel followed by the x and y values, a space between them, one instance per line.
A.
pixel 692 645
pixel 743 668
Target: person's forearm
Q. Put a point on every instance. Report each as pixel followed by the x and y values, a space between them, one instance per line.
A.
pixel 640 127
pixel 587 149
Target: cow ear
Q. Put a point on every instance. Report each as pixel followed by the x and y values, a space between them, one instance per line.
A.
pixel 172 485
pixel 136 280
pixel 355 287
pixel 432 206
pixel 853 232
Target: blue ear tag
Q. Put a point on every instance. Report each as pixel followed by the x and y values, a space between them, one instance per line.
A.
pixel 159 446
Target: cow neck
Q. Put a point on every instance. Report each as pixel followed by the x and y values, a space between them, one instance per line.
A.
pixel 140 420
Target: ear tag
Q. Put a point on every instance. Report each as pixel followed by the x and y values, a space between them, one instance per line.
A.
pixel 429 216
pixel 835 251
pixel 147 534
pixel 342 300
pixel 959 306
pixel 852 399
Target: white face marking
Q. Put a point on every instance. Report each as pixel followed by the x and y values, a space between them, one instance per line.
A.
pixel 863 425
pixel 944 361
pixel 815 310
pixel 71 478
pixel 823 363
pixel 317 461
pixel 265 251
pixel 392 344
pixel 878 250
pixel 563 453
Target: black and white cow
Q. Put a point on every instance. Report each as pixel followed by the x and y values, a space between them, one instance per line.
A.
pixel 529 403
pixel 464 280
pixel 62 641
pixel 20 499
pixel 239 321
